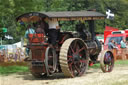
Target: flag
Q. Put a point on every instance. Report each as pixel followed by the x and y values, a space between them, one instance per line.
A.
pixel 8 37
pixel 109 14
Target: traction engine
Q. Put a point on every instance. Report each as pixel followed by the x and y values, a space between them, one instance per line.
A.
pixel 72 52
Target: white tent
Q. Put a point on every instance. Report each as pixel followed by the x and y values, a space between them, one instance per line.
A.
pixel 18 44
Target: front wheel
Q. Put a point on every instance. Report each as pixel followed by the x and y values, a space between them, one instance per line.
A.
pixel 50 60
pixel 107 61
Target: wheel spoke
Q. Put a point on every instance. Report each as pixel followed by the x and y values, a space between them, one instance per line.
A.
pixel 83 48
pixel 70 64
pixel 105 67
pixel 72 50
pixel 70 56
pixel 71 67
pixel 75 43
pixel 109 67
pixel 77 49
pixel 83 61
pixel 77 69
pixel 70 60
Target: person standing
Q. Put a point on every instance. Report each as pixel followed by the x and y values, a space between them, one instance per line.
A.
pixel 29 30
pixel 111 45
pixel 123 48
pixel 123 44
pixel 53 32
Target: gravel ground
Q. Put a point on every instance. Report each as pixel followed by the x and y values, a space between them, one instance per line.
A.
pixel 119 76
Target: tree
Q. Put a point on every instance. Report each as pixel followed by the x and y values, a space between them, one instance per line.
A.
pixel 10 9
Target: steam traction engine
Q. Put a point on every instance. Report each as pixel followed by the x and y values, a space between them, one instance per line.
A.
pixel 72 52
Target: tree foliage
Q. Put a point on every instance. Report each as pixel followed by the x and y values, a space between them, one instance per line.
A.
pixel 10 9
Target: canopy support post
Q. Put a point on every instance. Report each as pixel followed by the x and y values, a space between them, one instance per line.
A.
pixel 92 28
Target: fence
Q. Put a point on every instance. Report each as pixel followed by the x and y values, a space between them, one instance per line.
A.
pixel 11 53
pixel 122 54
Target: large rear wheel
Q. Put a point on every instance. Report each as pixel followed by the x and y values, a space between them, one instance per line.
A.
pixel 73 57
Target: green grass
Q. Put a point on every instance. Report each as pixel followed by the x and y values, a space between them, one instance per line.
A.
pixel 121 62
pixel 117 63
pixel 9 68
pixel 12 69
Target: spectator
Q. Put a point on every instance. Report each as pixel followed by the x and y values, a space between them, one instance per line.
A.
pixel 16 55
pixel 123 49
pixel 29 30
pixel 111 45
pixel 1 57
pixel 123 43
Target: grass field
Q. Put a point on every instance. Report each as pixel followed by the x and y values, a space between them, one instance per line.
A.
pixel 9 68
pixel 12 69
pixel 117 63
pixel 121 62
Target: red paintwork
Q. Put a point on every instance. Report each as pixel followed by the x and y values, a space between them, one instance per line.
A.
pixel 126 31
pixel 38 49
pixel 38 53
pixel 36 38
pixel 108 33
pixel 113 35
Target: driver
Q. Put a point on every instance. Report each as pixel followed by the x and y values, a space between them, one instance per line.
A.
pixel 53 32
pixel 40 30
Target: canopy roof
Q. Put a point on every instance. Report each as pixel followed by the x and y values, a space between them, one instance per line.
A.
pixel 65 15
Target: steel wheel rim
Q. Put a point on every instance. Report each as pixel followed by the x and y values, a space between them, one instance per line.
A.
pixel 50 60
